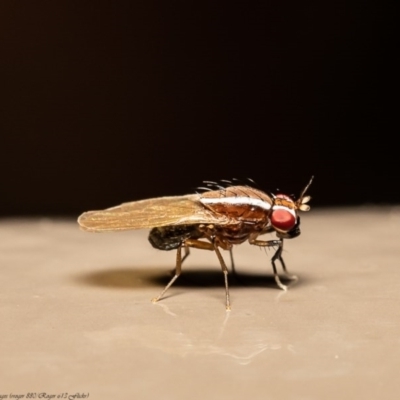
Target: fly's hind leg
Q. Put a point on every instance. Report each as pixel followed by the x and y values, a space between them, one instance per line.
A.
pixel 178 270
pixel 185 256
pixel 276 256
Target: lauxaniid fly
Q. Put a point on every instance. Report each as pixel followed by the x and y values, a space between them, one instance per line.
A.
pixel 210 220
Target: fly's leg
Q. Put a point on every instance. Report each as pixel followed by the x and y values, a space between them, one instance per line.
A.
pixel 186 255
pixel 287 275
pixel 198 244
pixel 233 267
pixel 178 270
pixel 276 256
pixel 214 246
pixel 225 271
pixel 232 262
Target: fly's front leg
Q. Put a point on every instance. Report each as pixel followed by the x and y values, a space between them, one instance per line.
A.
pixel 276 256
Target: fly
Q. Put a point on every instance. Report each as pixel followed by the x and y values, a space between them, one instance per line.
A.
pixel 210 220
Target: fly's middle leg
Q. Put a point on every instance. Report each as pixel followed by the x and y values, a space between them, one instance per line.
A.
pixel 199 244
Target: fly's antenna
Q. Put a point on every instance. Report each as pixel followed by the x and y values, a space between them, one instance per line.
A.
pixel 301 203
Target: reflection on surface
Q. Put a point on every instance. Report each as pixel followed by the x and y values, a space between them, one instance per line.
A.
pixel 182 331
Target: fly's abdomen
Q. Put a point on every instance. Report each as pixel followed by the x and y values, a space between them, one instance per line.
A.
pixel 171 237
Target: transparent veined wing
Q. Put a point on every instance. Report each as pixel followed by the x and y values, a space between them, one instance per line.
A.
pixel 151 213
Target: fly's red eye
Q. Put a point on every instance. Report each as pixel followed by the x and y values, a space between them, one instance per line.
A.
pixel 283 220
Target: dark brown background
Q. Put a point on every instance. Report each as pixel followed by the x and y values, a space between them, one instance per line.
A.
pixel 104 102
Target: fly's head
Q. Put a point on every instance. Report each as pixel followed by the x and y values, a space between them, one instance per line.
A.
pixel 284 214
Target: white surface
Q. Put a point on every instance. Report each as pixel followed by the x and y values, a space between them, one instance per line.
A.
pixel 76 315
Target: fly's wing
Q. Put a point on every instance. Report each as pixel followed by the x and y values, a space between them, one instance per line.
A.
pixel 151 213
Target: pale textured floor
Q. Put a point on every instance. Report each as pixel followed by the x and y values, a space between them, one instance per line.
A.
pixel 76 315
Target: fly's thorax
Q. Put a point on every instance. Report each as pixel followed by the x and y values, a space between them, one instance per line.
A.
pixel 239 203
